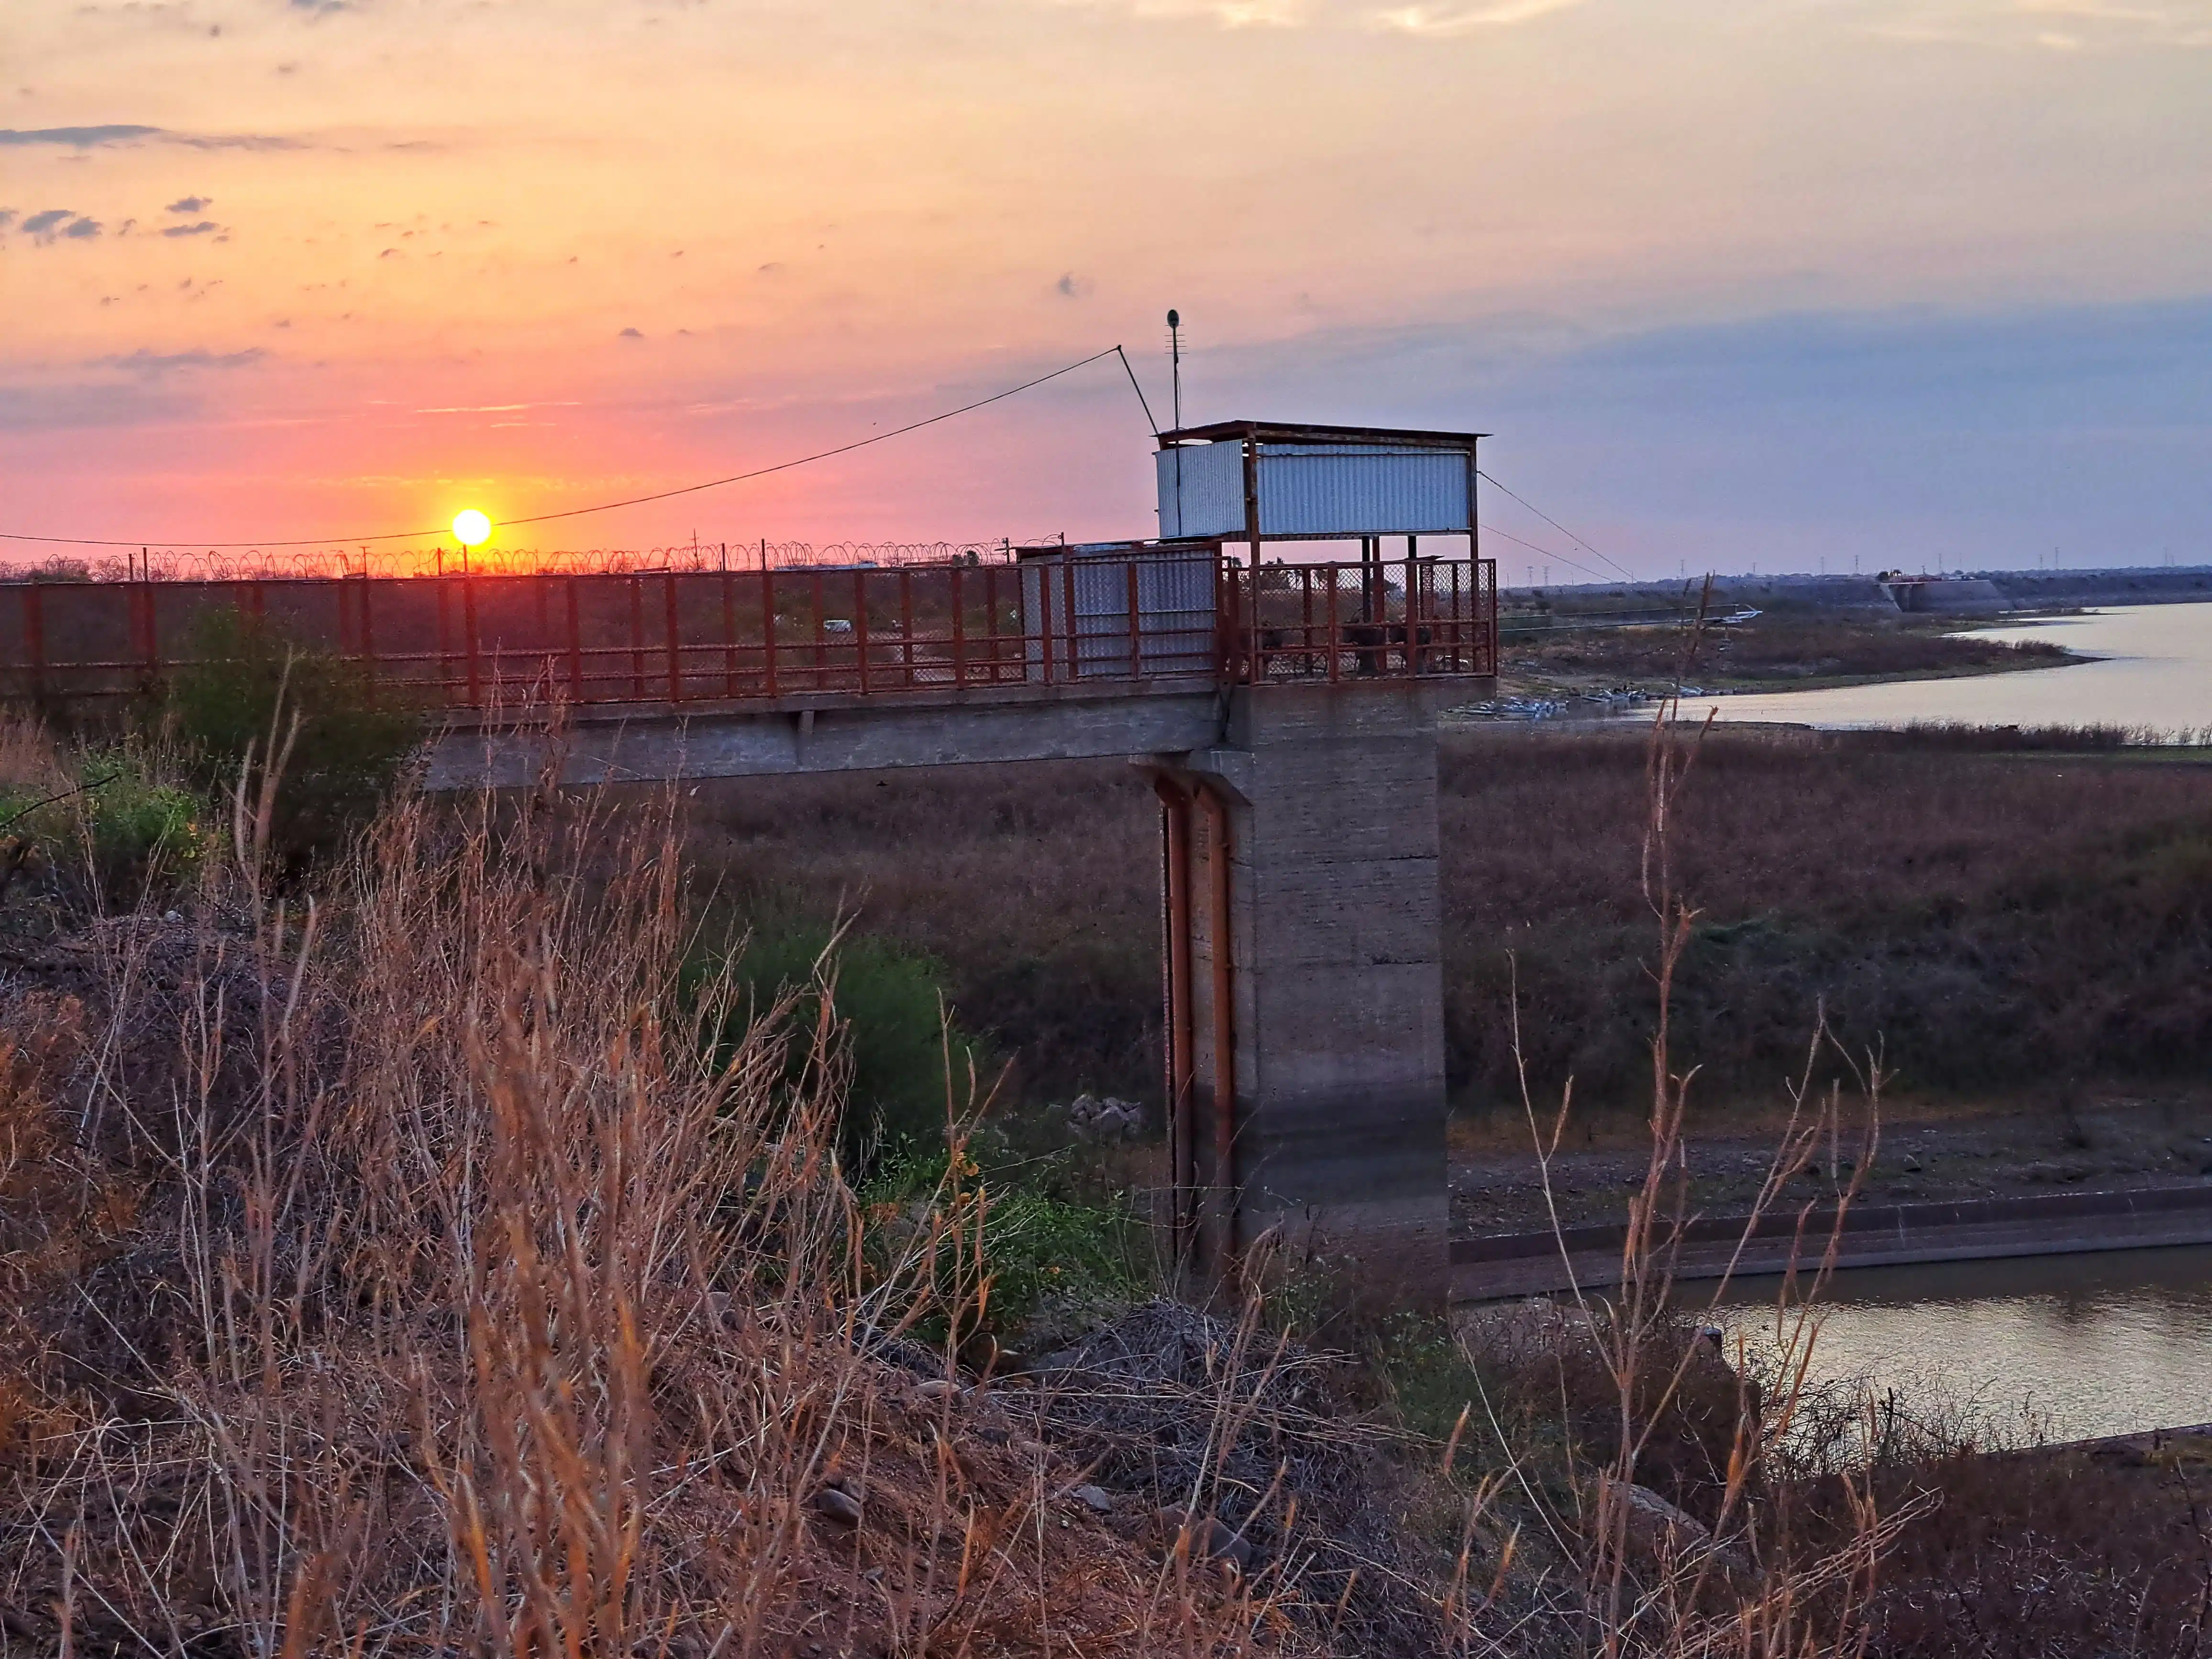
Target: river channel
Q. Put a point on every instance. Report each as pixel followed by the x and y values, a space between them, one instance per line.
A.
pixel 2059 1347
pixel 2154 670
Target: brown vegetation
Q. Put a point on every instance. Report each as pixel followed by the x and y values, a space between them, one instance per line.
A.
pixel 1999 921
pixel 407 1269
pixel 1777 650
pixel 410 1268
pixel 400 1272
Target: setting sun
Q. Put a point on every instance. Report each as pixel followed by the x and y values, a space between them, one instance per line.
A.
pixel 471 527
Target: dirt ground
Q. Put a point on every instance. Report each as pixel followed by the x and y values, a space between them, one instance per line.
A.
pixel 1927 1151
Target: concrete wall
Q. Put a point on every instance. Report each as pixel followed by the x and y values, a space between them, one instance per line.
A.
pixel 1336 976
pixel 829 734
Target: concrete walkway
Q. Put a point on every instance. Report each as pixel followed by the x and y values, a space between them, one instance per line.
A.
pixel 1873 1234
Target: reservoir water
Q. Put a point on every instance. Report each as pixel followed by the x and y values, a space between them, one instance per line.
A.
pixel 2155 670
pixel 2062 1347
pixel 2048 1347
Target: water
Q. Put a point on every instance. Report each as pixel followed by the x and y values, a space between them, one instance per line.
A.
pixel 2065 1347
pixel 2155 670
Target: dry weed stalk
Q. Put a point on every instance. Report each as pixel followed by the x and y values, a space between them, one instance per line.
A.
pixel 1649 1576
pixel 494 1307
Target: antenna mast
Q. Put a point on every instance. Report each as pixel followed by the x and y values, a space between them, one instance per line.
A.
pixel 1175 361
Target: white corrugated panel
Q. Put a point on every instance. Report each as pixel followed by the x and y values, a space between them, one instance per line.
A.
pixel 1201 490
pixel 1175 632
pixel 1314 490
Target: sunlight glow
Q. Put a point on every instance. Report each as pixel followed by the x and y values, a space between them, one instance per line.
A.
pixel 471 527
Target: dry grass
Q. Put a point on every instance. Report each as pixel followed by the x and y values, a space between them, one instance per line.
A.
pixel 1996 922
pixel 1916 889
pixel 1037 887
pixel 1779 650
pixel 399 1270
pixel 395 1273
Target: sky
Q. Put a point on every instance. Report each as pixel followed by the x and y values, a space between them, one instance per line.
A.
pixel 1782 283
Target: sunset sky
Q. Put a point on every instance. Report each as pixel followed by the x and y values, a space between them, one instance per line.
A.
pixel 1781 281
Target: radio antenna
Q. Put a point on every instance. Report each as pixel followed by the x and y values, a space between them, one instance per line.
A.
pixel 1174 363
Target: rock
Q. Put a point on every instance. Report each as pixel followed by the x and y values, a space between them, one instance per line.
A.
pixel 1210 1537
pixel 1096 1500
pixel 1095 1117
pixel 839 1506
pixel 1658 1527
pixel 937 1388
pixel 1659 1531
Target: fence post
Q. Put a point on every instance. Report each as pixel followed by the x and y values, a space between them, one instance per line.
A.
pixel 1459 623
pixel 820 633
pixel 469 638
pixel 1335 640
pixel 34 636
pixel 1411 605
pixel 1136 640
pixel 445 643
pixel 675 647
pixel 143 593
pixel 768 620
pixel 575 639
pixel 959 633
pixel 637 637
pixel 861 626
pixel 1044 618
pixel 1489 575
pixel 729 627
pixel 1067 586
pixel 367 635
pixel 991 620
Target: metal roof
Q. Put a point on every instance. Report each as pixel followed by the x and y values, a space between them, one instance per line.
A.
pixel 1276 432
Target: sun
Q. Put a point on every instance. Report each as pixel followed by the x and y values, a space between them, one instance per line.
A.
pixel 471 527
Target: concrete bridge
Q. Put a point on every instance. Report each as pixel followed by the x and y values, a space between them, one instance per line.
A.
pixel 1285 707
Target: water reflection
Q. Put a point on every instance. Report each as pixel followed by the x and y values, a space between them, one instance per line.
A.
pixel 2059 1347
pixel 2156 669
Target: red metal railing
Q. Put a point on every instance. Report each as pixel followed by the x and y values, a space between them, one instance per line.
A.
pixel 1387 619
pixel 682 637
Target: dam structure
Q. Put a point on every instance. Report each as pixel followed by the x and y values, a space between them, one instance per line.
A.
pixel 1275 659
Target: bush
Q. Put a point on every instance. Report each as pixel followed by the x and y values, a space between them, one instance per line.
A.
pixel 124 832
pixel 1053 1258
pixel 891 1005
pixel 349 750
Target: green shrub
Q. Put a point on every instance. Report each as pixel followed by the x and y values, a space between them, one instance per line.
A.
pixel 1051 1257
pixel 122 836
pixel 349 750
pixel 891 1004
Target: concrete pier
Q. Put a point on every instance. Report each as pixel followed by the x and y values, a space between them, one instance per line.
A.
pixel 1301 909
pixel 1307 839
